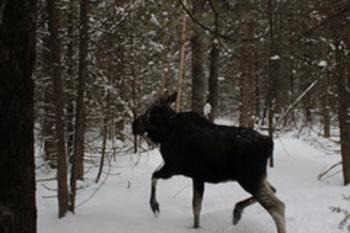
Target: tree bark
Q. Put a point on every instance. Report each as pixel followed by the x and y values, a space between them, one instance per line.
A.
pixel 17 55
pixel 213 81
pixel 50 154
pixel 198 76
pixel 82 75
pixel 247 79
pixel 273 73
pixel 343 108
pixel 70 80
pixel 181 71
pixel 55 61
pixel 77 172
pixel 104 134
pixel 326 113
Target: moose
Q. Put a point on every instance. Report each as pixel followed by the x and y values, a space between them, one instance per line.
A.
pixel 192 146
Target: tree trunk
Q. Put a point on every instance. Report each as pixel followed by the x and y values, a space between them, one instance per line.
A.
pixel 247 79
pixel 77 172
pixel 273 73
pixel 343 108
pixel 17 55
pixel 181 71
pixel 198 76
pixel 104 134
pixel 326 114
pixel 82 75
pixel 58 107
pixel 50 154
pixel 70 82
pixel 213 81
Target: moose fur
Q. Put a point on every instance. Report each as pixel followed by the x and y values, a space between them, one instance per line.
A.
pixel 194 147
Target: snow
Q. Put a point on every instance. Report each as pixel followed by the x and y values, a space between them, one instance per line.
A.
pixel 207 109
pixel 275 57
pixel 323 63
pixel 121 204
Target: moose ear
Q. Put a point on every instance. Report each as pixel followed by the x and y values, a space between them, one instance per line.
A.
pixel 170 99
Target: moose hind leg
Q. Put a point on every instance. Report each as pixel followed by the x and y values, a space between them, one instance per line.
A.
pixel 198 190
pixel 240 206
pixel 162 172
pixel 276 208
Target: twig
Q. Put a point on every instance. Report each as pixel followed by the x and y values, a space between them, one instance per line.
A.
pixel 180 191
pixel 322 174
pixel 98 188
pixel 50 196
pixel 321 24
pixel 294 104
pixel 46 179
pixel 204 26
pixel 48 188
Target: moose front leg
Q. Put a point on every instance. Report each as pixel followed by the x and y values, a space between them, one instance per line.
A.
pixel 162 172
pixel 198 190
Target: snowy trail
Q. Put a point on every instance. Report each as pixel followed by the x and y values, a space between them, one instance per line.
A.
pixel 122 203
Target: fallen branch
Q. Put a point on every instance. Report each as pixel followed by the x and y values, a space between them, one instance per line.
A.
pixel 46 179
pixel 295 103
pixel 322 174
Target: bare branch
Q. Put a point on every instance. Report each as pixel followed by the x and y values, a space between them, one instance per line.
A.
pixel 323 23
pixel 322 174
pixel 293 105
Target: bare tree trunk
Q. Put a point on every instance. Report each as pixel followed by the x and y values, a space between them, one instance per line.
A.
pixel 104 135
pixel 70 81
pixel 326 109
pixel 198 76
pixel 78 157
pixel 257 94
pixel 343 108
pixel 181 75
pixel 134 93
pixel 82 75
pixel 213 80
pixel 273 73
pixel 17 55
pixel 50 154
pixel 247 80
pixel 58 106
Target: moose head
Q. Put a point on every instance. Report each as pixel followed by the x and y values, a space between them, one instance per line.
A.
pixel 155 121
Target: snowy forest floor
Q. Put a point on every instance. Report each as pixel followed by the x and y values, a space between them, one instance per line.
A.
pixel 121 203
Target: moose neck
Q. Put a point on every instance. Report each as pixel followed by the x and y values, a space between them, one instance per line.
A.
pixel 162 132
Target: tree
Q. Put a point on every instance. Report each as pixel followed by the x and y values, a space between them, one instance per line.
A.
pixel 343 108
pixel 198 75
pixel 77 171
pixel 17 55
pixel 55 62
pixel 213 80
pixel 78 159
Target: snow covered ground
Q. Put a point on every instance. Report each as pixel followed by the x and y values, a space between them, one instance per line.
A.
pixel 121 204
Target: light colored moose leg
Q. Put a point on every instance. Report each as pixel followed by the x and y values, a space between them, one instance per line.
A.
pixel 276 208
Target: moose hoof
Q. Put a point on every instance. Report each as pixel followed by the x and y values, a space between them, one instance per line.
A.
pixel 237 214
pixel 155 208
